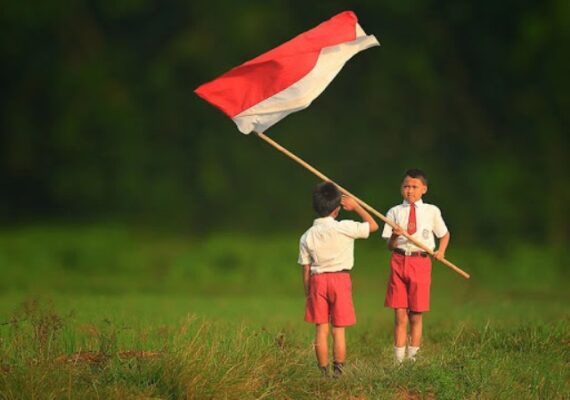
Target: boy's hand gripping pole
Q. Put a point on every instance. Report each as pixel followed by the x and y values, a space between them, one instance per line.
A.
pixel 362 203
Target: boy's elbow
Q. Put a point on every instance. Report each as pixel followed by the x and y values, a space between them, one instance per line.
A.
pixel 373 227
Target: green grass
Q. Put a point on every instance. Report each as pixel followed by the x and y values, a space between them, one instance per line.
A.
pixel 112 313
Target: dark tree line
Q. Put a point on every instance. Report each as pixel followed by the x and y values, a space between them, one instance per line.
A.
pixel 99 119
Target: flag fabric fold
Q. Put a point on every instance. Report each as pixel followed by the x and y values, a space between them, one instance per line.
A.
pixel 259 93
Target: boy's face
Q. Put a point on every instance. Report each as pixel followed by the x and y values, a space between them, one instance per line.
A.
pixel 413 189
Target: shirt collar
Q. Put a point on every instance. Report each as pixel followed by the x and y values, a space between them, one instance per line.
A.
pixel 323 220
pixel 417 203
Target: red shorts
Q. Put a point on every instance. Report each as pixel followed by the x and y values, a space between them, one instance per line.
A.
pixel 330 300
pixel 409 283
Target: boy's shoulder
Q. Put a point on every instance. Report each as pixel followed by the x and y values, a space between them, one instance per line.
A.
pixel 431 206
pixel 394 208
pixel 333 224
pixel 399 208
pixel 304 235
pixel 424 204
pixel 348 222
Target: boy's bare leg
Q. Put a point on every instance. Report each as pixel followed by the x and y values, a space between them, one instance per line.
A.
pixel 415 334
pixel 321 344
pixel 400 327
pixel 339 351
pixel 339 344
pixel 415 328
pixel 400 333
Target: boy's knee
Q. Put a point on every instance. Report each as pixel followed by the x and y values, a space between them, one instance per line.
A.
pixel 415 316
pixel 415 320
pixel 401 323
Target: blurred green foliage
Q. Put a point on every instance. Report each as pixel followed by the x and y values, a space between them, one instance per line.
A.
pixel 99 119
pixel 113 260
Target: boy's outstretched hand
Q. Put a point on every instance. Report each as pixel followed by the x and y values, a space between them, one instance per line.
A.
pixel 348 203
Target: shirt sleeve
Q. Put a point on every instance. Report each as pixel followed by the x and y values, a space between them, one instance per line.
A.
pixel 353 229
pixel 304 255
pixel 439 227
pixel 387 232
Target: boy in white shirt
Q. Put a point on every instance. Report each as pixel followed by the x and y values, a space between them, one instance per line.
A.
pixel 326 252
pixel 408 291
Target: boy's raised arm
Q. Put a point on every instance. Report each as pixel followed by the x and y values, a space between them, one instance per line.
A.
pixel 349 204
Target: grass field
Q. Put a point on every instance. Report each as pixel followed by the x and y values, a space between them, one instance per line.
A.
pixel 113 313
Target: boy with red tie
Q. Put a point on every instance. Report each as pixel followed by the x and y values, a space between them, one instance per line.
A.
pixel 408 289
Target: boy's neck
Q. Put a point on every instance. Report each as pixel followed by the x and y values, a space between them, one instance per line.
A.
pixel 333 215
pixel 415 202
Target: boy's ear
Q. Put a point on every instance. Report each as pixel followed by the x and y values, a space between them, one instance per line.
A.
pixel 425 189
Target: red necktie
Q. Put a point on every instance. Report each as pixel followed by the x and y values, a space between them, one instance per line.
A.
pixel 412 220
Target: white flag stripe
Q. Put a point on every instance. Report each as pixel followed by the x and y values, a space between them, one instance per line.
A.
pixel 300 95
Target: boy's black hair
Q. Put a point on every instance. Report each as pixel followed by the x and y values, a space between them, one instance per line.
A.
pixel 326 198
pixel 417 174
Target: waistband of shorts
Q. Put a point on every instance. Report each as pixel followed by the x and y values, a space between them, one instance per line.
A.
pixel 342 271
pixel 410 253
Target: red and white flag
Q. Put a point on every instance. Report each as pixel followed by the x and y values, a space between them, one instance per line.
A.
pixel 262 91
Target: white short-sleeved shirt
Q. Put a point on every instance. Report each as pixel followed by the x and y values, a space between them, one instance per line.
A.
pixel 428 222
pixel 328 245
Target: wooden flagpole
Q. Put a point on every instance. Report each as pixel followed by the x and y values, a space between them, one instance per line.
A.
pixel 362 203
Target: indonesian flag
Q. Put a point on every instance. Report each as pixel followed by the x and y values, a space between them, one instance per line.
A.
pixel 264 90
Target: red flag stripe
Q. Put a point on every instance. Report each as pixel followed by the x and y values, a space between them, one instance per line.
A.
pixel 262 77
